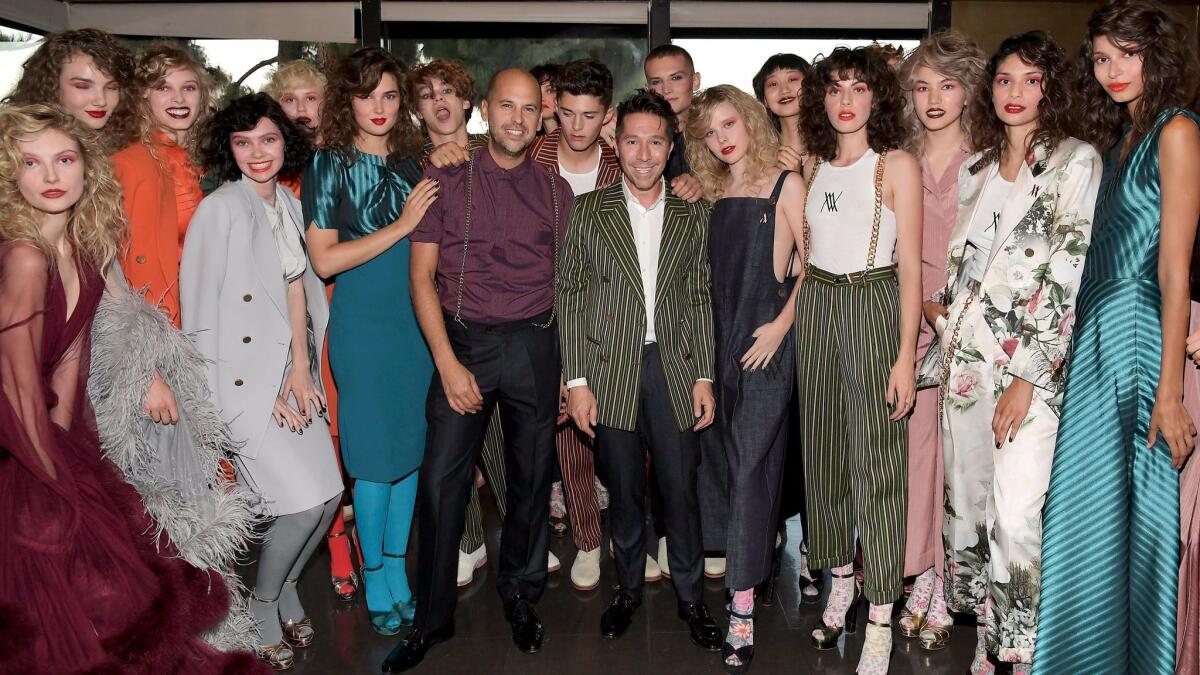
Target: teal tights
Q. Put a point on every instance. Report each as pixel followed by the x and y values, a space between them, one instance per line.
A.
pixel 383 513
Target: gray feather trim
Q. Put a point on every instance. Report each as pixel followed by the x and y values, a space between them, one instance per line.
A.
pixel 176 469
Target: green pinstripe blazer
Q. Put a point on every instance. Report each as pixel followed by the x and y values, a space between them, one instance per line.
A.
pixel 601 304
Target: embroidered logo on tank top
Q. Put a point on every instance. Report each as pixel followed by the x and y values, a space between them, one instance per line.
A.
pixel 1036 189
pixel 995 219
pixel 831 202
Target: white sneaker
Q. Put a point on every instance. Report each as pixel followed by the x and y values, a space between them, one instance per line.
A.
pixel 714 568
pixel 653 572
pixel 662 557
pixel 552 563
pixel 468 563
pixel 585 571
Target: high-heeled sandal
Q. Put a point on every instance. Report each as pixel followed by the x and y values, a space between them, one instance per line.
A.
pixel 915 623
pixel 743 654
pixel 346 588
pixel 298 633
pixel 811 581
pixel 279 656
pixel 830 634
pixel 934 638
pixel 387 622
pixel 407 611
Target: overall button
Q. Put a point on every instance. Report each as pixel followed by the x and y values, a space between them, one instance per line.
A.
pixel 782 292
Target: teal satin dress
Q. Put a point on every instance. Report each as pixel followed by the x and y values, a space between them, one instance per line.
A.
pixel 1110 554
pixel 378 356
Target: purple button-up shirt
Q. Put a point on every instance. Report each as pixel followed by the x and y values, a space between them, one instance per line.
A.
pixel 510 253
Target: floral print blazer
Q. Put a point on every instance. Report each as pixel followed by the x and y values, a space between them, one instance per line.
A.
pixel 1029 288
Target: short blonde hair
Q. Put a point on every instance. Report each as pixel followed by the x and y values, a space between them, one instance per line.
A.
pixel 762 154
pixel 957 57
pixel 290 73
pixel 97 223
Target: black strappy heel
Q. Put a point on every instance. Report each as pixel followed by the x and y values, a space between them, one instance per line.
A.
pixel 744 654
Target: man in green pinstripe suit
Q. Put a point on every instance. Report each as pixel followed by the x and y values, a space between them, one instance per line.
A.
pixel 637 341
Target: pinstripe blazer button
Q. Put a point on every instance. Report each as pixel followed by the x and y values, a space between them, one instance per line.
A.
pixel 608 317
pixel 141 260
pixel 604 279
pixel 687 357
pixel 603 359
pixel 247 297
pixel 237 383
pixel 684 277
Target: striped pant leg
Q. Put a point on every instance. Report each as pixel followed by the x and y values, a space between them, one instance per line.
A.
pixel 878 447
pixel 823 427
pixel 579 487
pixel 492 458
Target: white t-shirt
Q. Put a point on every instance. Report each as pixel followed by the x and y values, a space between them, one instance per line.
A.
pixel 582 182
pixel 982 232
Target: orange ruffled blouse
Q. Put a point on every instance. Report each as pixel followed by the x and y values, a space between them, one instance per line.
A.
pixel 161 192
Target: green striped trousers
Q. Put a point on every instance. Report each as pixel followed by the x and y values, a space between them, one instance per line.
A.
pixel 855 459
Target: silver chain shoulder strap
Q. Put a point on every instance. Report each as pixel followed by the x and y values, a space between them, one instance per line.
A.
pixel 462 271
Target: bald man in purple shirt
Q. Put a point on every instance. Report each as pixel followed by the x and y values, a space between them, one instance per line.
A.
pixel 484 260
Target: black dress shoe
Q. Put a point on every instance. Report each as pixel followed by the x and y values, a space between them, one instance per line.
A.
pixel 701 626
pixel 619 615
pixel 411 650
pixel 527 630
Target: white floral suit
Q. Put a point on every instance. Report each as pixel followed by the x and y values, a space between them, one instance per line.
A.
pixel 1016 322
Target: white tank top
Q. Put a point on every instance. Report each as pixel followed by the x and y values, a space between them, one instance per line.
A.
pixel 841 212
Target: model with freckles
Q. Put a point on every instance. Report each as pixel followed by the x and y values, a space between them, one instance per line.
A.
pixel 941 76
pixel 249 301
pixel 160 180
pixel 88 72
pixel 1016 256
pixel 734 152
pixel 857 317
pixel 362 198
pixel 1114 499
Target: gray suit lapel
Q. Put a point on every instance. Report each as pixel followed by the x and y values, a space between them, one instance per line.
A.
pixel 262 244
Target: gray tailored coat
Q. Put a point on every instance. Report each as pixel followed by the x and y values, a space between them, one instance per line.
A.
pixel 233 300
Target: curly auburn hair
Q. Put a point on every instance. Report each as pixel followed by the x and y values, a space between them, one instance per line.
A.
pixel 1170 72
pixel 1036 49
pixel 243 114
pixel 764 141
pixel 97 224
pixel 39 81
pixel 357 75
pixel 153 66
pixel 291 73
pixel 955 56
pixel 451 72
pixel 769 67
pixel 887 126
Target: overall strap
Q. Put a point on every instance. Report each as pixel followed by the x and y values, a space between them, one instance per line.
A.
pixel 774 198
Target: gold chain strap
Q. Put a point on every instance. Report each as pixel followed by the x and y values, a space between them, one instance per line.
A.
pixel 948 358
pixel 812 178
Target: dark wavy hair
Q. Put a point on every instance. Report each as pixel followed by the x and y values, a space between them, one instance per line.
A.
pixel 1170 72
pixel 546 73
pixel 1037 49
pixel 39 79
pixel 451 72
pixel 650 103
pixel 586 77
pixel 772 64
pixel 357 75
pixel 887 126
pixel 243 114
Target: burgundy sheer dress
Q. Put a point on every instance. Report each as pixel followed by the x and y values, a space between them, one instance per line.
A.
pixel 83 587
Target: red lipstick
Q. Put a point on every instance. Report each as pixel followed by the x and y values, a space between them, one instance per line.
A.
pixel 1014 109
pixel 728 150
pixel 53 193
pixel 1118 86
pixel 379 121
pixel 846 116
pixel 97 114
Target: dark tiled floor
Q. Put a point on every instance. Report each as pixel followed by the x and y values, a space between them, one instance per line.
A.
pixel 657 643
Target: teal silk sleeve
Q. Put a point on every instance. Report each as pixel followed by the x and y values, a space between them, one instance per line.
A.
pixel 320 190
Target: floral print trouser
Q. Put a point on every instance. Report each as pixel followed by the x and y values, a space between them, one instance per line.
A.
pixel 993 510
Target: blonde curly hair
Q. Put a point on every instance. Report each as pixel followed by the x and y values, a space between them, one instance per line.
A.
pixel 96 226
pixel 289 74
pixel 153 65
pixel 761 156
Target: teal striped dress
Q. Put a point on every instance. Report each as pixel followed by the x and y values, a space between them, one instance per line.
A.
pixel 1111 528
pixel 376 351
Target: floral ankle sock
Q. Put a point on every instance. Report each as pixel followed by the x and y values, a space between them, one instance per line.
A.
pixel 841 594
pixel 741 626
pixel 877 646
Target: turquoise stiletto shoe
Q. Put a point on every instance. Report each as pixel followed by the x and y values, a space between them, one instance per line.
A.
pixel 406 610
pixel 386 622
